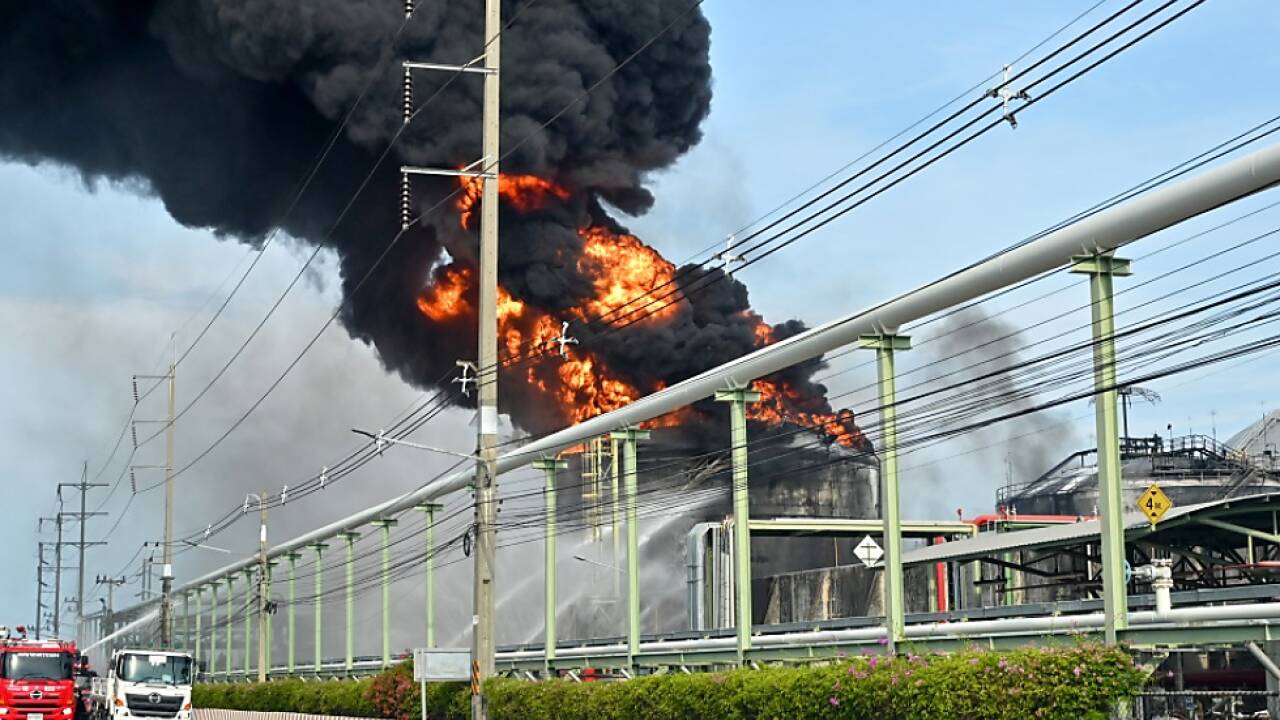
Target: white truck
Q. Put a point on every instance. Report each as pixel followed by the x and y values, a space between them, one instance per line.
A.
pixel 144 684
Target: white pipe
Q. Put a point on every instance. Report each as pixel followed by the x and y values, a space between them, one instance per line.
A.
pixel 1050 624
pixel 1266 662
pixel 1103 232
pixel 696 582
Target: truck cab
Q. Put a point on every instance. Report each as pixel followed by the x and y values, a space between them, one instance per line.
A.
pixel 145 684
pixel 36 678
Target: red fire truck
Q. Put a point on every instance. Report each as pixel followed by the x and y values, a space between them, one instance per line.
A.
pixel 37 679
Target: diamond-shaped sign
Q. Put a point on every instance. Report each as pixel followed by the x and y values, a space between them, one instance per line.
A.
pixel 869 551
pixel 1154 503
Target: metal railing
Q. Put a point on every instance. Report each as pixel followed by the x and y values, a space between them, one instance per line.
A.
pixel 1203 704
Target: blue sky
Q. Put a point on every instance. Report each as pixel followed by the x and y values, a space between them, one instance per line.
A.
pixel 98 277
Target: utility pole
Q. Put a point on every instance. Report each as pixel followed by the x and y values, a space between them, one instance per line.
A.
pixel 82 518
pixel 40 585
pixel 263 588
pixel 56 606
pixel 166 576
pixel 483 650
pixel 109 615
pixel 166 567
pixel 483 659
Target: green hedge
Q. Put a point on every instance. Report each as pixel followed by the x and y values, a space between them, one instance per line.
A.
pixel 392 694
pixel 1053 684
pixel 1081 682
pixel 333 697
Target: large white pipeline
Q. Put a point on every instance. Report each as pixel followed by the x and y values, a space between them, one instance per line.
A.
pixel 1102 232
pixel 1049 624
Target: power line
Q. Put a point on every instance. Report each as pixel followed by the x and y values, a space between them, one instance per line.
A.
pixel 397 236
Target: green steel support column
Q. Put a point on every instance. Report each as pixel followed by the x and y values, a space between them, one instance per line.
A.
pixel 430 562
pixel 385 525
pixel 291 621
pixel 738 399
pixel 250 603
pixel 616 519
pixel 1101 269
pixel 350 537
pixel 629 438
pixel 231 623
pixel 549 466
pixel 270 634
pixel 885 345
pixel 195 654
pixel 213 626
pixel 319 614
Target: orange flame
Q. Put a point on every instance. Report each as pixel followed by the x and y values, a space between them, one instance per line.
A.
pixel 446 299
pixel 525 193
pixel 621 268
pixel 776 407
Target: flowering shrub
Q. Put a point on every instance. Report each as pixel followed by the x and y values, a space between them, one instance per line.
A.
pixel 1082 682
pixel 395 694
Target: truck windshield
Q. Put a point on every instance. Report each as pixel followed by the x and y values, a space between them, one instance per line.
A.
pixel 167 669
pixel 36 665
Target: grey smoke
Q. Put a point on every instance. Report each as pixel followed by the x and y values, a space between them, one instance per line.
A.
pixel 965 473
pixel 218 108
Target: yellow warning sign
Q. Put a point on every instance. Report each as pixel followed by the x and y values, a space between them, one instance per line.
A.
pixel 1154 503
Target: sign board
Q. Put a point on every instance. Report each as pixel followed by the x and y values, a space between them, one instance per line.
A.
pixel 441 665
pixel 869 552
pixel 1154 503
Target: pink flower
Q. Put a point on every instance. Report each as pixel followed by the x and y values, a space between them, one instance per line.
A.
pixel 873 662
pixel 835 700
pixel 883 641
pixel 1078 671
pixel 1003 665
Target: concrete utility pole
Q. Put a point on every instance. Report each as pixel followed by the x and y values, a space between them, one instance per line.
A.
pixel 166 577
pixel 166 570
pixel 263 588
pixel 486 472
pixel 56 606
pixel 483 659
pixel 40 584
pixel 82 518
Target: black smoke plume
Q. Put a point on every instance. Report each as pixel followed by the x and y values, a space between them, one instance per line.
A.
pixel 219 107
